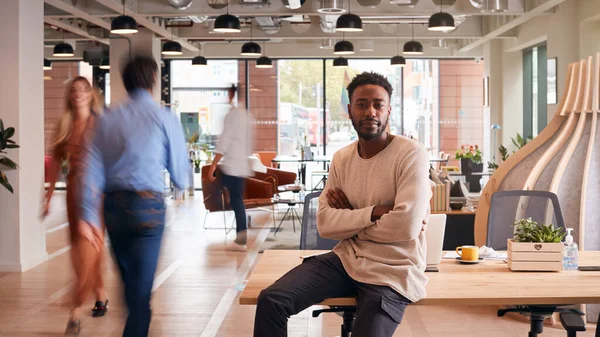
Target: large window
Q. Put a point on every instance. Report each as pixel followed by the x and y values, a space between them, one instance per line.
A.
pixel 200 96
pixel 534 91
pixel 421 101
pixel 340 131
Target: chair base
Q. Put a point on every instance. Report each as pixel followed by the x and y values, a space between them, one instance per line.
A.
pixel 348 315
pixel 537 315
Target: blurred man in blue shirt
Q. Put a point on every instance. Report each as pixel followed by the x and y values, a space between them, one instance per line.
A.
pixel 130 149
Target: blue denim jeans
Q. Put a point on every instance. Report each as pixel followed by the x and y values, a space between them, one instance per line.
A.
pixel 235 187
pixel 135 222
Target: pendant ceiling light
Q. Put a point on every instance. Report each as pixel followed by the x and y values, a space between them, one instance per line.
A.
pixel 413 47
pixel 171 48
pixel 47 64
pixel 200 61
pixel 441 22
pixel 343 48
pixel 123 24
pixel 264 61
pixel 251 48
pixel 105 64
pixel 227 23
pixel 340 62
pixel 398 61
pixel 349 22
pixel 63 50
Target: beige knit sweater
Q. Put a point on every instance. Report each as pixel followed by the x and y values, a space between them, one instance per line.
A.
pixel 390 251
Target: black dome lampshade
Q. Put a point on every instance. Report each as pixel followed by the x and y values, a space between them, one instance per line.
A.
pixel 264 62
pixel 413 48
pixel 105 64
pixel 123 25
pixel 63 50
pixel 47 64
pixel 199 61
pixel 349 23
pixel 340 62
pixel 251 49
pixel 343 48
pixel 398 61
pixel 441 22
pixel 171 48
pixel 227 23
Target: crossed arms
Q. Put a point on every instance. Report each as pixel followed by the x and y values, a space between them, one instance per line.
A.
pixel 403 221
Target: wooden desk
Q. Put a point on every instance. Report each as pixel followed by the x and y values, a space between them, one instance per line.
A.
pixel 487 283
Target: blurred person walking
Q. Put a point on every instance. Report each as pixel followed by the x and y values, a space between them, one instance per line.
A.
pixel 74 130
pixel 235 148
pixel 125 162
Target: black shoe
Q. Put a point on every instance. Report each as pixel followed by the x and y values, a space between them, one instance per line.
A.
pixel 73 328
pixel 100 309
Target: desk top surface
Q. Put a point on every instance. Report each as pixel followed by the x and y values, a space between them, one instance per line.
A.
pixel 487 283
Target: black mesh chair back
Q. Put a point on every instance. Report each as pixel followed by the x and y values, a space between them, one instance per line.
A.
pixel 508 206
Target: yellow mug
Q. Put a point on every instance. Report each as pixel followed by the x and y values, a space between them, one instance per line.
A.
pixel 468 253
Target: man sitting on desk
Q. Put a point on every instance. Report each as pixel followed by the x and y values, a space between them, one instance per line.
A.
pixel 376 203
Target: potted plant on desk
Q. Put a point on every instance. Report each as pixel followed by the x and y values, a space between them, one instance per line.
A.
pixel 470 159
pixel 535 247
pixel 6 164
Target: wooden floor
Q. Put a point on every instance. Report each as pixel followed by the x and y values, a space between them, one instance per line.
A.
pixel 196 289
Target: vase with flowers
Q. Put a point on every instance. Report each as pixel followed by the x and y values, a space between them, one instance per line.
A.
pixel 470 157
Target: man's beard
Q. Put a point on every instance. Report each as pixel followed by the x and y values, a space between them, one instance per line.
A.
pixel 368 135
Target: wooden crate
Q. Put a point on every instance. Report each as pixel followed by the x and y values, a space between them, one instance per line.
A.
pixel 534 256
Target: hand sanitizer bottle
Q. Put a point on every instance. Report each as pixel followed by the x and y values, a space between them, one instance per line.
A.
pixel 570 252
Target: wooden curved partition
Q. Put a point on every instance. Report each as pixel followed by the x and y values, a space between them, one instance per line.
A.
pixel 495 181
pixel 564 159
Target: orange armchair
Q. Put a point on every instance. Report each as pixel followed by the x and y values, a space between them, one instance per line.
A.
pixel 257 194
pixel 279 177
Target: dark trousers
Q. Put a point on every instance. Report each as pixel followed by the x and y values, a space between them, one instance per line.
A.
pixel 379 309
pixel 235 187
pixel 135 222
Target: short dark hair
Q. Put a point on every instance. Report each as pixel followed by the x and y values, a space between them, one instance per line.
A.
pixel 139 73
pixel 369 78
pixel 232 89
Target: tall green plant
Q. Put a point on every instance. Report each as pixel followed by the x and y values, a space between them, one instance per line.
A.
pixel 518 142
pixel 6 143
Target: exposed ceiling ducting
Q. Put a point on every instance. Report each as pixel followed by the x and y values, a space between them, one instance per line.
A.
pixel 490 6
pixel 404 3
pixel 268 24
pixel 332 7
pixel 328 23
pixel 180 4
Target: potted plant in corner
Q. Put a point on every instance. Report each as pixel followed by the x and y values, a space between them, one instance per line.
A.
pixel 535 247
pixel 470 159
pixel 197 165
pixel 6 163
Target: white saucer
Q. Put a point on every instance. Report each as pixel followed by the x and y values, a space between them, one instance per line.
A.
pixel 459 259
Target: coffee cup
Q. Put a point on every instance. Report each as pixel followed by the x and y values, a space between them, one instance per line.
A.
pixel 468 253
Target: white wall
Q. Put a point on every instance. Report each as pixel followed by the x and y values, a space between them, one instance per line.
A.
pixel 570 32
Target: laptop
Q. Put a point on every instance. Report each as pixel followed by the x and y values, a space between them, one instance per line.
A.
pixel 436 227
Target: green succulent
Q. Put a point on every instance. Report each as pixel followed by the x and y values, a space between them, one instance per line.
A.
pixel 528 230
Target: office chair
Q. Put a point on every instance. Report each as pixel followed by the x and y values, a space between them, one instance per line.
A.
pixel 543 207
pixel 311 240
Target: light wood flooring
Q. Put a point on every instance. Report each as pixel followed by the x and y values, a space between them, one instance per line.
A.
pixel 196 289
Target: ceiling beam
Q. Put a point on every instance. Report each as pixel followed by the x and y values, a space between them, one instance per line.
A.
pixel 513 24
pixel 66 7
pixel 117 6
pixel 74 29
